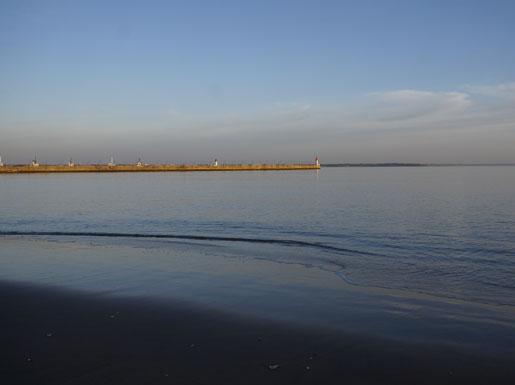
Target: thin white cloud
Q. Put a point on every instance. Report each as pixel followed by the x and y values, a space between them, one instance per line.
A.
pixel 416 104
pixel 505 90
pixel 292 106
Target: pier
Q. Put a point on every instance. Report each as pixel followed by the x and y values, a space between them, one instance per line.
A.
pixel 139 167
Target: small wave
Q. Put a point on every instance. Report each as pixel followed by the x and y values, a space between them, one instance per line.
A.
pixel 284 242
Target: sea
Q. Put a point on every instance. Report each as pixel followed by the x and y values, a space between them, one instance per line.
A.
pixel 413 253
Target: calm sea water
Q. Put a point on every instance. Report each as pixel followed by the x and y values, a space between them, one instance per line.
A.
pixel 439 233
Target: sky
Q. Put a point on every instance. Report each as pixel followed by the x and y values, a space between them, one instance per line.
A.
pixel 257 81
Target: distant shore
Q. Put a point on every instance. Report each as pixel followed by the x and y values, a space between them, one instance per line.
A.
pixel 75 168
pixel 413 164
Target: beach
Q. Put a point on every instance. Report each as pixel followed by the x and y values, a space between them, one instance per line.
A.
pixel 55 336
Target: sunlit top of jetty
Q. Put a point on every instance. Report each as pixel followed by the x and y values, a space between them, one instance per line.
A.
pixel 111 166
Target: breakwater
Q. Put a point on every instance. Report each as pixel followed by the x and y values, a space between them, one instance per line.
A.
pixel 43 168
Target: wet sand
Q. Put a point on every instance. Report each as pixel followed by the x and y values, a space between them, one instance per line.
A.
pixel 54 336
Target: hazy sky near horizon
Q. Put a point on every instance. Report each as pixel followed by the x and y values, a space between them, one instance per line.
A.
pixel 187 81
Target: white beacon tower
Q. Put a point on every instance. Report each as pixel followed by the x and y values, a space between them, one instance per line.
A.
pixel 1 163
pixel 35 162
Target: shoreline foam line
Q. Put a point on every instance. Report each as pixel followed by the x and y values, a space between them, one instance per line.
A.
pixel 284 242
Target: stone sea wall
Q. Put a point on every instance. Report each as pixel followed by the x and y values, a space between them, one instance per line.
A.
pixel 42 168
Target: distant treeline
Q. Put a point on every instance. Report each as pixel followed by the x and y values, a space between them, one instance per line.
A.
pixel 374 165
pixel 411 164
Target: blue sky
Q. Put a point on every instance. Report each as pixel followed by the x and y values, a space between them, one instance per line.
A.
pixel 186 81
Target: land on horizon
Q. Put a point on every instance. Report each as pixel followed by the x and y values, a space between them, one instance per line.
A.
pixel 395 164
